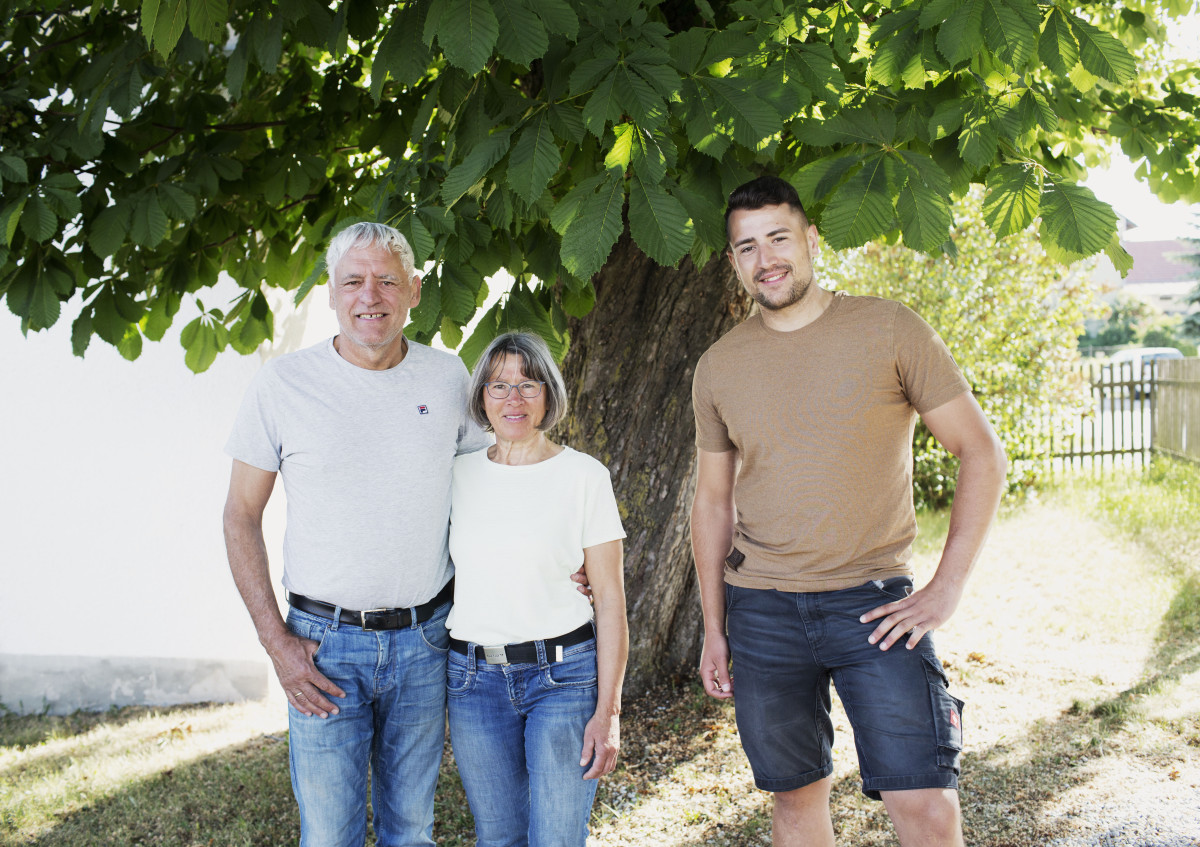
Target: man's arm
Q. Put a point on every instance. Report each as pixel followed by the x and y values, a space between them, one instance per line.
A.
pixel 249 490
pixel 960 426
pixel 712 537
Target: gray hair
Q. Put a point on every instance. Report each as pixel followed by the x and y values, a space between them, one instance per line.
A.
pixel 367 234
pixel 536 363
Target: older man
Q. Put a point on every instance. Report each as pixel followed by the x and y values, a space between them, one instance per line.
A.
pixel 363 428
pixel 804 420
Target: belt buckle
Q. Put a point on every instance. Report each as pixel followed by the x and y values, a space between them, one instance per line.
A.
pixel 495 655
pixel 362 617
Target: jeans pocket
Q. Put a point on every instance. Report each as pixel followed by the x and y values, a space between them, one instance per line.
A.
pixel 459 680
pixel 434 632
pixel 947 716
pixel 575 671
pixel 310 627
pixel 896 588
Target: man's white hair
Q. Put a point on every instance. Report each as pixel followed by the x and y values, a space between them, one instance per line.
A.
pixel 367 234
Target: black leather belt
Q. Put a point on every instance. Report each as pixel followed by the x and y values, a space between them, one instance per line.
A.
pixel 526 651
pixel 371 619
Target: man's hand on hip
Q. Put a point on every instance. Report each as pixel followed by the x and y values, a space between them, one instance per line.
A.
pixel 714 667
pixel 302 682
pixel 920 612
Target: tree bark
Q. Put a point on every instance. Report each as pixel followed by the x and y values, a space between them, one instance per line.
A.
pixel 629 375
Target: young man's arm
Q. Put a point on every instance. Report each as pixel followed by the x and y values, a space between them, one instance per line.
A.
pixel 712 538
pixel 960 426
pixel 249 490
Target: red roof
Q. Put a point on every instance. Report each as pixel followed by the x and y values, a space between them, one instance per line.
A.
pixel 1162 261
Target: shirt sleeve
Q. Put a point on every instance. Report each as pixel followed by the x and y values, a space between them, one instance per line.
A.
pixel 928 372
pixel 256 438
pixel 712 435
pixel 602 517
pixel 471 436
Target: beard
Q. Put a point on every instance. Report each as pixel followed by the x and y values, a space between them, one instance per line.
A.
pixel 793 295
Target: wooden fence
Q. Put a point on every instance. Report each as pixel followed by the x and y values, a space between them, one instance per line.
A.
pixel 1115 427
pixel 1176 418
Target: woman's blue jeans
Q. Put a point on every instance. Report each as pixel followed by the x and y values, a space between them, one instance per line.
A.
pixel 393 719
pixel 517 734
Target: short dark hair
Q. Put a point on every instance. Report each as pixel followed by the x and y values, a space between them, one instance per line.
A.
pixel 536 363
pixel 764 191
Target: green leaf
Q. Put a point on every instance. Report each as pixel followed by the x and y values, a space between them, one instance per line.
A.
pixel 925 216
pixel 1118 255
pixel 534 159
pixel 149 225
pixel 1013 199
pixel 621 152
pixel 979 137
pixel 130 345
pixel 601 106
pixel 401 55
pixel 201 341
pixel 179 204
pixel 861 209
pixel 44 306
pixel 558 17
pixel 452 334
pixel 477 163
pixel 522 35
pixel 170 18
pixel 1102 54
pixel 206 18
pixel 1007 35
pixel 961 36
pixel 704 131
pixel 595 229
pixel 467 31
pixel 754 120
pixel 566 209
pixel 13 168
pixel 81 333
pixel 419 238
pixel 158 319
pixel 658 223
pixel 38 221
pixel 579 302
pixel 649 161
pixel 106 320
pixel 458 294
pixel 815 180
pixel 1074 223
pixel 484 334
pixel 1057 47
pixel 9 218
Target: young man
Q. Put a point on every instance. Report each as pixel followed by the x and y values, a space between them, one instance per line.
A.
pixel 804 419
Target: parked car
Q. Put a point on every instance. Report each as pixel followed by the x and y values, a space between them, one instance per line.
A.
pixel 1139 357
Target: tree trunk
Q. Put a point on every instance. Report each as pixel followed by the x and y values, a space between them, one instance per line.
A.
pixel 629 374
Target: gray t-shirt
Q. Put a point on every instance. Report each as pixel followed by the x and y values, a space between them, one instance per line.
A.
pixel 366 459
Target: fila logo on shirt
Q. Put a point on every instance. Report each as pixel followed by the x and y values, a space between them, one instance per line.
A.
pixel 423 409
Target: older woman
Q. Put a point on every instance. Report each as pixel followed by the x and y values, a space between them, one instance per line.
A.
pixel 534 680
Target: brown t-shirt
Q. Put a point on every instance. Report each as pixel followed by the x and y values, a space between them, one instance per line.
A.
pixel 822 419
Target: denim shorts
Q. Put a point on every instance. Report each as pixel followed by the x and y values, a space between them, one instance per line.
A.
pixel 787 646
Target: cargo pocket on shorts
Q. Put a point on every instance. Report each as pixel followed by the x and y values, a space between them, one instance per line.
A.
pixel 947 715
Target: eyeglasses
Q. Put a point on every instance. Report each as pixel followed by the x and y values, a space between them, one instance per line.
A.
pixel 502 390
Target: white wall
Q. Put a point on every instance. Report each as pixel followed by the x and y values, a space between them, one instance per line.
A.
pixel 114 586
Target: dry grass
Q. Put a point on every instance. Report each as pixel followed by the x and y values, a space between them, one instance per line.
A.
pixel 1077 649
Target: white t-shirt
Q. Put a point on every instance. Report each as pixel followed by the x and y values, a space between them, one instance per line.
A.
pixel 517 533
pixel 365 458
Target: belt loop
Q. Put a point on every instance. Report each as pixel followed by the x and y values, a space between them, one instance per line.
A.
pixel 543 662
pixel 412 618
pixel 471 659
pixel 337 618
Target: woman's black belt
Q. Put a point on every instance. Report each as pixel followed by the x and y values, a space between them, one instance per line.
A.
pixel 525 652
pixel 375 618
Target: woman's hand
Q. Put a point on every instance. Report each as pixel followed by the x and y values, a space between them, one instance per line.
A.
pixel 601 743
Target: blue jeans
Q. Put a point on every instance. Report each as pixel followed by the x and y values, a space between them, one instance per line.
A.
pixel 517 734
pixel 392 720
pixel 786 647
